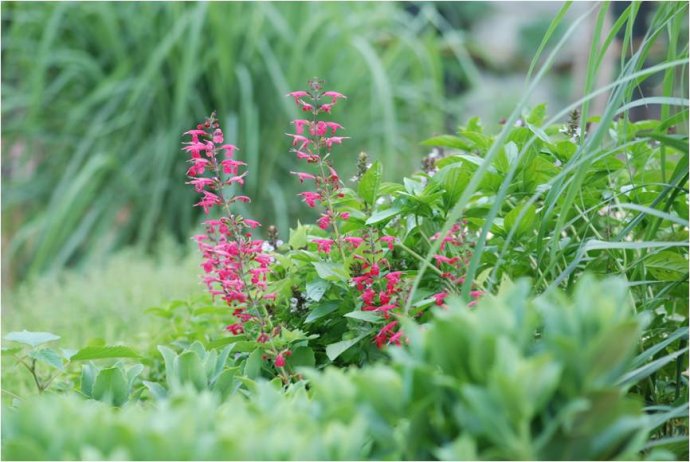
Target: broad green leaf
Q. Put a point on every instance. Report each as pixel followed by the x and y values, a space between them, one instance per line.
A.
pixel 252 368
pixel 88 377
pixel 31 338
pixel 298 237
pixel 104 352
pixel 369 184
pixel 156 390
pixel 111 386
pixel 336 349
pixel 537 116
pixel 190 369
pixel 368 316
pixel 382 215
pixel 667 265
pixel 301 357
pixel 322 310
pixel 225 383
pixel 316 289
pixel 526 224
pixel 331 271
pixel 447 141
pixel 48 356
pixel 132 373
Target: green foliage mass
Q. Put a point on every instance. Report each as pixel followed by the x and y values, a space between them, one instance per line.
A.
pixel 519 378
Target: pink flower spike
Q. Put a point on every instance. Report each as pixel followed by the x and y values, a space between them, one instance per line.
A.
pixel 335 140
pixel 217 136
pixel 334 95
pixel 306 107
pixel 195 132
pixel 271 296
pixel 236 179
pixel 303 176
pixel 440 298
pixel 230 166
pixel 324 222
pixel 326 108
pixel 236 329
pixel 201 183
pixel 323 245
pixel 354 241
pixel 299 125
pixel 299 139
pixel 297 95
pixel 345 215
pixel 244 199
pixel 388 240
pixel 310 198
pixel 334 126
pixel 251 223
pixel 229 149
pixel 280 360
pixel 476 294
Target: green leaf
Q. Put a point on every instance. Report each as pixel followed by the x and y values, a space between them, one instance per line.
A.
pixel 368 316
pixel 104 352
pixel 31 338
pixel 537 116
pixel 666 265
pixel 526 224
pixel 252 367
pixel 190 369
pixel 382 215
pixel 369 184
pixel 298 237
pixel 301 357
pixel 331 271
pixel 88 377
pixel 336 349
pixel 316 289
pixel 156 390
pixel 111 386
pixel 49 357
pixel 447 141
pixel 224 384
pixel 322 310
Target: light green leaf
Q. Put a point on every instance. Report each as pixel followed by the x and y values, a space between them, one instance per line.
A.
pixel 331 271
pixel 252 367
pixel 368 316
pixel 316 289
pixel 369 184
pixel 111 386
pixel 49 357
pixel 31 338
pixel 104 352
pixel 322 310
pixel 336 349
pixel 382 215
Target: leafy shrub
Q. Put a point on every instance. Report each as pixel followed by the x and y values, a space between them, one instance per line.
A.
pixel 518 378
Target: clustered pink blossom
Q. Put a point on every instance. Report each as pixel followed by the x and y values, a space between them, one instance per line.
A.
pixel 234 264
pixel 454 241
pixel 313 142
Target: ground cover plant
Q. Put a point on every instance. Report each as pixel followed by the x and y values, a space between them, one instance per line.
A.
pixel 523 295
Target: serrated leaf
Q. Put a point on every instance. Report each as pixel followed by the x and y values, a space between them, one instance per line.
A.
pixel 331 271
pixel 369 183
pixel 368 316
pixel 336 349
pixel 316 289
pixel 104 352
pixel 49 357
pixel 321 311
pixel 31 338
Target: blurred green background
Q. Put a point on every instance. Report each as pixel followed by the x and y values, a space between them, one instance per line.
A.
pixel 95 97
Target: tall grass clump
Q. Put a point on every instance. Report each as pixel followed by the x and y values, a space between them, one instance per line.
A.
pixel 617 203
pixel 92 92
